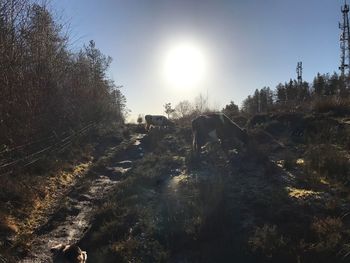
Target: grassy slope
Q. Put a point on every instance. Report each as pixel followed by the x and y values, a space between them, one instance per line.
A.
pixel 267 204
pixel 285 198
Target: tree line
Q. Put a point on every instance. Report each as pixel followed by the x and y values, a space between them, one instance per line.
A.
pixel 45 87
pixel 326 93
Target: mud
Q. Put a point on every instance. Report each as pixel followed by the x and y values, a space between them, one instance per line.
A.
pixel 73 219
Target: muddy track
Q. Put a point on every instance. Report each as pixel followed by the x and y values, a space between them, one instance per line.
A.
pixel 73 218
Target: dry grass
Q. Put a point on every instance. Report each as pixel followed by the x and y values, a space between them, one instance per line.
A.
pixel 300 193
pixel 27 199
pixel 327 161
pixel 329 234
pixel 335 105
pixel 51 188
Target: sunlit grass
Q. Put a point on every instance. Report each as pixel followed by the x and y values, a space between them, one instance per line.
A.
pixel 300 162
pixel 302 193
pixel 51 188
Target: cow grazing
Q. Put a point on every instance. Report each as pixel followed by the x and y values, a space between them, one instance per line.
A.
pixel 216 127
pixel 68 254
pixel 157 121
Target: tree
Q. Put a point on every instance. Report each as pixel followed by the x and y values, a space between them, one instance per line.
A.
pixel 265 99
pixel 281 94
pixel 184 108
pixel 292 91
pixel 256 102
pixel 201 104
pixel 334 85
pixel 304 92
pixel 231 109
pixel 248 105
pixel 139 119
pixel 168 109
pixel 45 87
pixel 319 84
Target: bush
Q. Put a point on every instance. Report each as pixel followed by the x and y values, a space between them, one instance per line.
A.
pixel 328 234
pixel 267 241
pixel 327 160
pixel 335 105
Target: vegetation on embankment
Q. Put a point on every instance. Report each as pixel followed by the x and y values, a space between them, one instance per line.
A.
pixel 50 95
pixel 54 106
pixel 27 199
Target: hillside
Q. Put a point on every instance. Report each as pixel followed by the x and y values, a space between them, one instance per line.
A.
pixel 274 187
pixel 283 198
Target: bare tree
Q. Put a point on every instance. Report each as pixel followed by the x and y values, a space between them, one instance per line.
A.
pixel 45 87
pixel 201 104
pixel 184 108
pixel 168 109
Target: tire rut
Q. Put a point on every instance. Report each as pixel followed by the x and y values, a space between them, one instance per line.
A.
pixel 72 220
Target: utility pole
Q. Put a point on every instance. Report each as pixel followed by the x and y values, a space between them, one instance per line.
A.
pixel 300 73
pixel 344 42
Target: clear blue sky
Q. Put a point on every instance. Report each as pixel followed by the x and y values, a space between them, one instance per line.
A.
pixel 248 44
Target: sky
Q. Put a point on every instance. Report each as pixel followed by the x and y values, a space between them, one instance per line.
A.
pixel 243 45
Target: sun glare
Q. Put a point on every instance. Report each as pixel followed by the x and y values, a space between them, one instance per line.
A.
pixel 184 66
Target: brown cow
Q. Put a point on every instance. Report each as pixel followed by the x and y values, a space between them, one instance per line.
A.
pixel 216 127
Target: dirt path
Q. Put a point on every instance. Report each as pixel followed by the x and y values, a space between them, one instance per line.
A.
pixel 70 222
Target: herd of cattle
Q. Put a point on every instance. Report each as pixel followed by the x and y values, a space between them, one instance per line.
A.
pixel 212 127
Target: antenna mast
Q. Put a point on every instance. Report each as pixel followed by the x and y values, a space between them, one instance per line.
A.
pixel 300 73
pixel 344 41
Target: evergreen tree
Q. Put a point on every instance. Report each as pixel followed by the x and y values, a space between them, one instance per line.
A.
pixel 319 85
pixel 231 109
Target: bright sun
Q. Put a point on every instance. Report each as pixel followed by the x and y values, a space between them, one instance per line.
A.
pixel 184 66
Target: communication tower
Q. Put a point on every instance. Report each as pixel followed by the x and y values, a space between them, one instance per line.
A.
pixel 344 41
pixel 300 73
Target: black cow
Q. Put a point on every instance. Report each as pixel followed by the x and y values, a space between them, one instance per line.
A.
pixel 216 127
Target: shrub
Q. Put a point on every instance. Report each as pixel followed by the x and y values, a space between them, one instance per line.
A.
pixel 329 234
pixel 327 160
pixel 267 241
pixel 337 106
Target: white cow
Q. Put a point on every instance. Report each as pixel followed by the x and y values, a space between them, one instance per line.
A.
pixel 157 121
